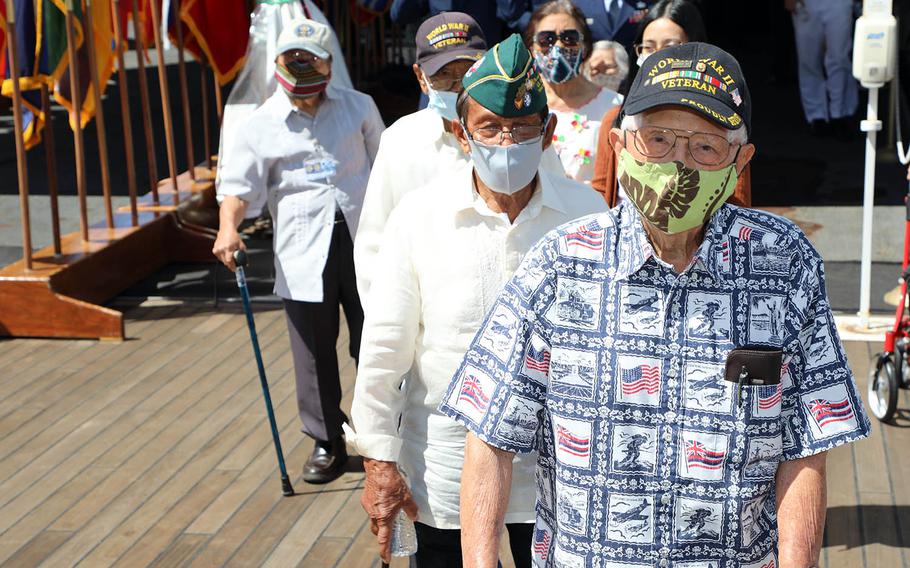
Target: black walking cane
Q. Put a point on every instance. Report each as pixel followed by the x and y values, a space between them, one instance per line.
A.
pixel 240 259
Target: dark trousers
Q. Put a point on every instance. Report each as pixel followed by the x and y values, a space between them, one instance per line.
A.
pixel 313 328
pixel 442 547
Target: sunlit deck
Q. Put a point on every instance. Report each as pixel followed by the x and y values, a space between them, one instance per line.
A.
pixel 155 451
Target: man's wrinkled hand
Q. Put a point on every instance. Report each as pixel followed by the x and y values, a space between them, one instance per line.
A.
pixel 384 493
pixel 227 241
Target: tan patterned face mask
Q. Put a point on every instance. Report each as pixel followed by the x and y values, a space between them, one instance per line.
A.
pixel 671 196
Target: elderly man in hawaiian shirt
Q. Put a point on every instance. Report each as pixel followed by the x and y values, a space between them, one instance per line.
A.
pixel 674 361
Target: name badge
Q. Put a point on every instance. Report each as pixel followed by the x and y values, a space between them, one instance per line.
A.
pixel 320 169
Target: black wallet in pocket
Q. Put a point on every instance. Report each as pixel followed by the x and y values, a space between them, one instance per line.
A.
pixel 754 365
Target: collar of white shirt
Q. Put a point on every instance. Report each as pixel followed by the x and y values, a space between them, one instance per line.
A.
pixel 546 194
pixel 282 106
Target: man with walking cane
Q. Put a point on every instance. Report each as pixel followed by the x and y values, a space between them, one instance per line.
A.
pixel 307 153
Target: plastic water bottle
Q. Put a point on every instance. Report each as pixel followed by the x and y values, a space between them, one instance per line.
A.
pixel 404 536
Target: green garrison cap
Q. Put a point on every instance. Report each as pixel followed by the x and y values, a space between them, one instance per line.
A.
pixel 505 81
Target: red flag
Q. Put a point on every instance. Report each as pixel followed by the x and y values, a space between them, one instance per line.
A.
pixel 218 32
pixel 144 23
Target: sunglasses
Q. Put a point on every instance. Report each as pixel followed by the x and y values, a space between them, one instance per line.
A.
pixel 569 38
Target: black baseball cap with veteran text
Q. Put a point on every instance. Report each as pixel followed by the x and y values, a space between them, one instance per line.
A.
pixel 446 37
pixel 698 76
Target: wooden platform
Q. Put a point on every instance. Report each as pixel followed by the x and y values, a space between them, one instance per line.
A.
pixel 155 451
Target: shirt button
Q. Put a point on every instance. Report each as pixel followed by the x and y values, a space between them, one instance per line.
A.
pixel 664 563
pixel 667 435
pixel 665 499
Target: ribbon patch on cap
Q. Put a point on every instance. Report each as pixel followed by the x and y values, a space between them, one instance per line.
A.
pixel 684 78
pixel 445 35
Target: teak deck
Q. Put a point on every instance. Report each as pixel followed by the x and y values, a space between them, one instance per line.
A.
pixel 156 452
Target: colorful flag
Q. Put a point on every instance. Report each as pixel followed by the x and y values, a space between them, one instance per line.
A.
pixel 217 31
pixel 39 60
pixel 142 22
pixel 542 543
pixel 103 35
pixel 769 396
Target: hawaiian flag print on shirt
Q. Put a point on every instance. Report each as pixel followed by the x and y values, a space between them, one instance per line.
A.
pixel 542 543
pixel 472 393
pixel 586 238
pixel 538 359
pixel 697 455
pixel 769 564
pixel 769 396
pixel 826 412
pixel 642 378
pixel 572 444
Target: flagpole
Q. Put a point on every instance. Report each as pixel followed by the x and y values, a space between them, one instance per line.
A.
pixel 78 141
pixel 184 94
pixel 219 104
pixel 89 33
pixel 206 136
pixel 21 164
pixel 50 155
pixel 125 115
pixel 165 102
pixel 139 28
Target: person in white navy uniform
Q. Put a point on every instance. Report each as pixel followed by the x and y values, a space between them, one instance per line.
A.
pixel 824 32
pixel 307 153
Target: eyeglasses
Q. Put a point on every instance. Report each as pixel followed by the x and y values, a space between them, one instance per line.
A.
pixel 649 48
pixel 706 149
pixel 521 134
pixel 569 38
pixel 444 83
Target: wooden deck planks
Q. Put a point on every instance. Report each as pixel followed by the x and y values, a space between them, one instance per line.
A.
pixel 159 455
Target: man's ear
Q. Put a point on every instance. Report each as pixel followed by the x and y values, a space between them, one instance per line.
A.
pixel 548 133
pixel 461 136
pixel 420 79
pixel 617 141
pixel 745 156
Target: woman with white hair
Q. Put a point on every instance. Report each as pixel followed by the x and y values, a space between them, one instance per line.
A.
pixel 608 65
pixel 560 41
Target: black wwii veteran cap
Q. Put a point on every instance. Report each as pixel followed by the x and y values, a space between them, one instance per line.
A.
pixel 698 76
pixel 448 36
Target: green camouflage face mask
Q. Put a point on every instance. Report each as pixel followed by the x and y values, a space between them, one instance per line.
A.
pixel 671 196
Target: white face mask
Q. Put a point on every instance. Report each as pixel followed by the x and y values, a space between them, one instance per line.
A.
pixel 641 59
pixel 506 169
pixel 603 80
pixel 442 102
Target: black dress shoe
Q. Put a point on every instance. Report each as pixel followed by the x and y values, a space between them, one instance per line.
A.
pixel 327 461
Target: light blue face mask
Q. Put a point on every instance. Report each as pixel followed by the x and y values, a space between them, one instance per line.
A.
pixel 506 169
pixel 442 102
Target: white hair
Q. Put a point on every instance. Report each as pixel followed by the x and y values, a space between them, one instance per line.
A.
pixel 620 55
pixel 636 121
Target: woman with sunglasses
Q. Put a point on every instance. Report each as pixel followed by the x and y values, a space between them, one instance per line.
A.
pixel 560 41
pixel 667 23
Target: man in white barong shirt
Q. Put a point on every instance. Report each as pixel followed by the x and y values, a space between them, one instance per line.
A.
pixel 447 250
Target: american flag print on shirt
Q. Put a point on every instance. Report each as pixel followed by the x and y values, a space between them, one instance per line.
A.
pixel 542 543
pixel 538 360
pixel 643 378
pixel 747 233
pixel 769 396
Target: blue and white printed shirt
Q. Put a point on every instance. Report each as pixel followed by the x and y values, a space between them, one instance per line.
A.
pixel 611 365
